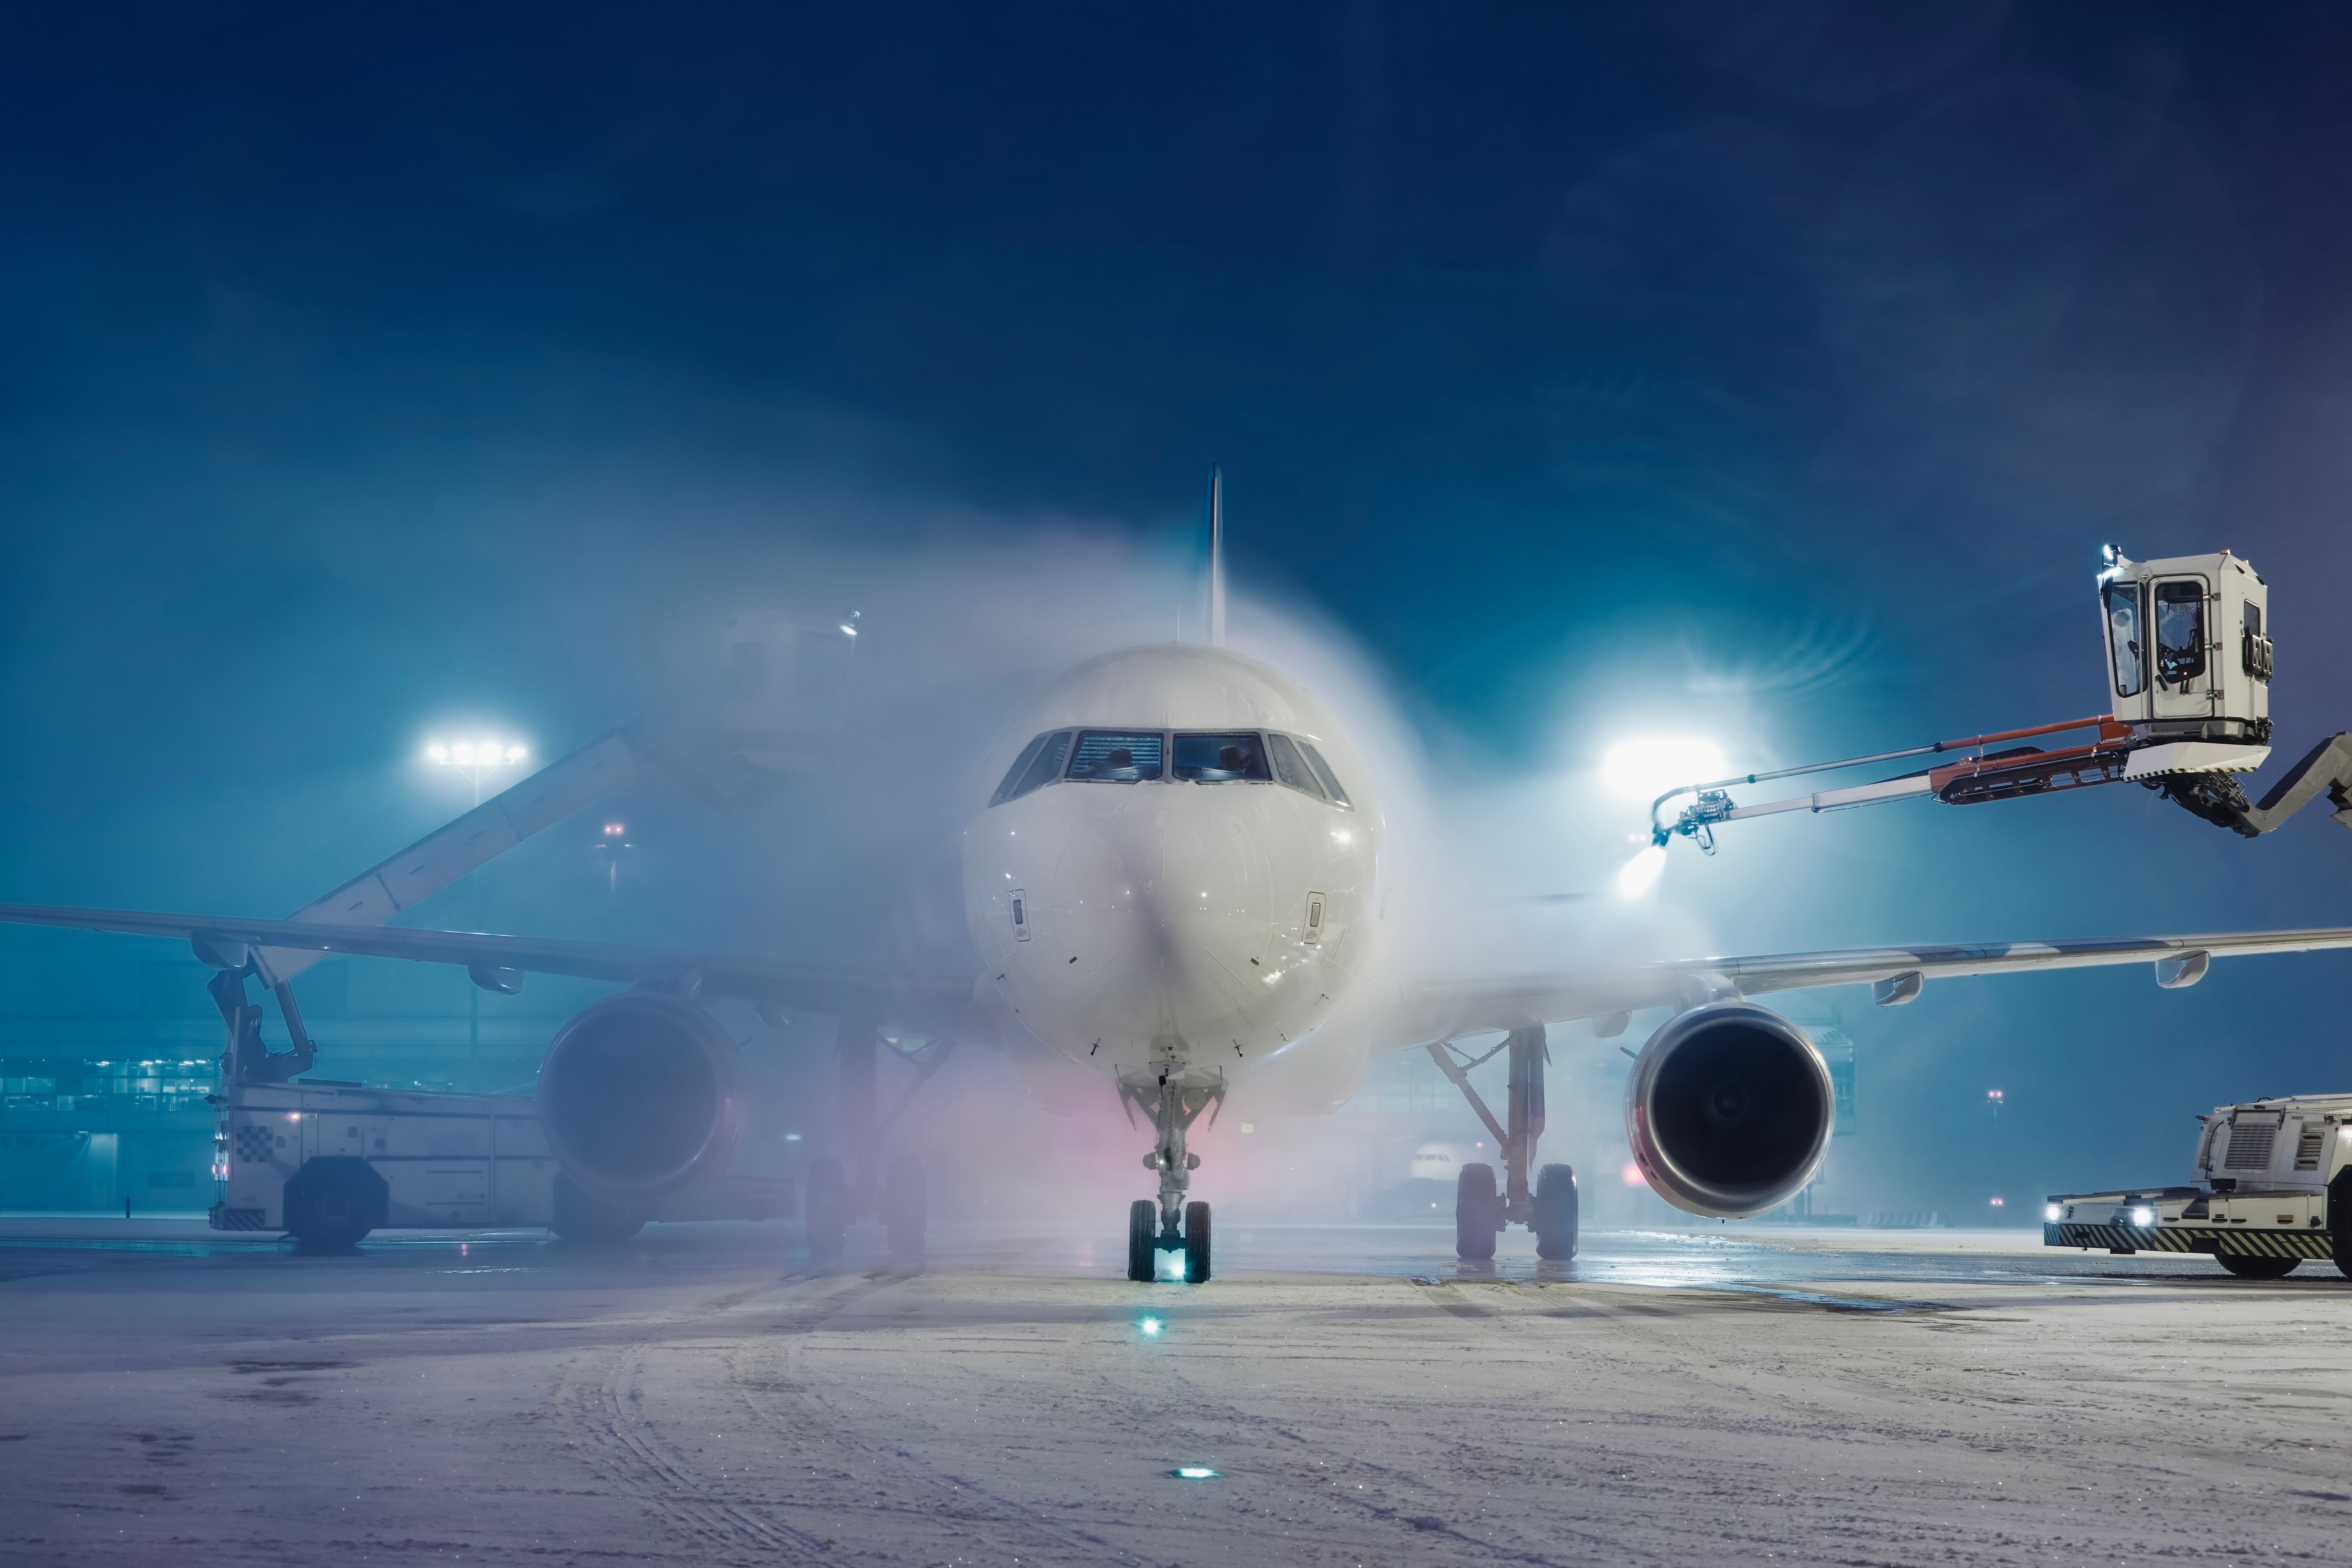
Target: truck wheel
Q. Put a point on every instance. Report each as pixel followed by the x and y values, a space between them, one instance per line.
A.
pixel 1555 1215
pixel 334 1200
pixel 2339 1221
pixel 2247 1266
pixel 1476 1213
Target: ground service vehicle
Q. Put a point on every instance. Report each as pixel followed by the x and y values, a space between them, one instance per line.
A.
pixel 2276 1188
pixel 328 1161
pixel 2188 657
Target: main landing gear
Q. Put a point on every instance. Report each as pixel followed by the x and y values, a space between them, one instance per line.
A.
pixel 1174 1096
pixel 842 1191
pixel 1480 1213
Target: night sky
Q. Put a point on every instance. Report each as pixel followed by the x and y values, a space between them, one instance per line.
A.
pixel 1693 368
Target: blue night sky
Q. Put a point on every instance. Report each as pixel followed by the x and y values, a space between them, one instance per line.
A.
pixel 1771 374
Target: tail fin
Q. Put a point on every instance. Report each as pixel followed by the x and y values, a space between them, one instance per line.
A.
pixel 1217 557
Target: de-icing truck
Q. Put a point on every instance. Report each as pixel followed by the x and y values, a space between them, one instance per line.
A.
pixel 2275 1187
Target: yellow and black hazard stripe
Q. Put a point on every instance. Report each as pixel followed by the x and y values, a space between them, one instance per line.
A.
pixel 2235 1240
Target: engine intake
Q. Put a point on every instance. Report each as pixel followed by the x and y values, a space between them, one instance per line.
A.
pixel 1728 1110
pixel 641 1097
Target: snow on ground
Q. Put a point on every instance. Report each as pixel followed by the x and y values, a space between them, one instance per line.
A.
pixel 1730 1393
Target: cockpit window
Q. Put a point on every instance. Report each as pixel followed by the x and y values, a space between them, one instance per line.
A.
pixel 1220 759
pixel 1323 771
pixel 1290 769
pixel 1116 756
pixel 1039 764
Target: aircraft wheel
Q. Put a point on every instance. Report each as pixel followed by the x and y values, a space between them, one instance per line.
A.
pixel 1196 1244
pixel 1555 1215
pixel 906 1208
pixel 1142 1230
pixel 826 1210
pixel 1477 1214
pixel 2249 1266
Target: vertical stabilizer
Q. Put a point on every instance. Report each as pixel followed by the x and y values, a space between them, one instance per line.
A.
pixel 1217 557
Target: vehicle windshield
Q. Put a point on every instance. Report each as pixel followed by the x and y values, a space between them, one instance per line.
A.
pixel 1220 759
pixel 2123 632
pixel 1116 756
pixel 2180 631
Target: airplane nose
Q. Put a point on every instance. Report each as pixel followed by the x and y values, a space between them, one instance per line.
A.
pixel 1171 900
pixel 1167 867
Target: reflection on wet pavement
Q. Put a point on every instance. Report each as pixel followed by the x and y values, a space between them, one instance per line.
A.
pixel 1754 1259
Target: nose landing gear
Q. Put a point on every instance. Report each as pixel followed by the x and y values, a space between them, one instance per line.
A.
pixel 1174 1096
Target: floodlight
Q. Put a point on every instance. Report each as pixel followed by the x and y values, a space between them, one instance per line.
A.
pixel 1646 768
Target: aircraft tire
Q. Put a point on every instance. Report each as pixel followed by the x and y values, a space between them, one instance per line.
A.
pixel 826 1210
pixel 1143 1231
pixel 1196 1244
pixel 906 1208
pixel 1555 1213
pixel 1476 1211
pixel 2247 1266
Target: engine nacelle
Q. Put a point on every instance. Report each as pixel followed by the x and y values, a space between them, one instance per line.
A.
pixel 1729 1109
pixel 641 1097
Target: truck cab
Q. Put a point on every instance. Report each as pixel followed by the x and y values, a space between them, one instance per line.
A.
pixel 2272 1189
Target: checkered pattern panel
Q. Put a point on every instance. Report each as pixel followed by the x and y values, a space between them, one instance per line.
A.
pixel 252 1142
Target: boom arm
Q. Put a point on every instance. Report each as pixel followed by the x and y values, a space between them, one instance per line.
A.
pixel 2216 797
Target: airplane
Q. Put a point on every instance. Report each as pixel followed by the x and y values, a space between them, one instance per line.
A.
pixel 1175 888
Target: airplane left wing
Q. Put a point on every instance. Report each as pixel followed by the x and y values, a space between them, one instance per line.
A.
pixel 940 1004
pixel 1897 975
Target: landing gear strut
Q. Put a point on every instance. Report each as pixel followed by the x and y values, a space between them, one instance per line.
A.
pixel 1174 1096
pixel 842 1191
pixel 1550 1208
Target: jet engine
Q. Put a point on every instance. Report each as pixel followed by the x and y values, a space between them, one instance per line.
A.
pixel 1728 1110
pixel 640 1097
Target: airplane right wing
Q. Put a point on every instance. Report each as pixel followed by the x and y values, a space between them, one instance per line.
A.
pixel 1897 975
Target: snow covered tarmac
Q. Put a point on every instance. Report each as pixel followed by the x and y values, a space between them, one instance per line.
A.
pixel 1735 1393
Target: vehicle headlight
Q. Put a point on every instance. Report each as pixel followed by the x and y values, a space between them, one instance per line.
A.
pixel 2143 1216
pixel 2054 1213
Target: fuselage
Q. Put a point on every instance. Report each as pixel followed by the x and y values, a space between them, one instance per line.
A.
pixel 1180 864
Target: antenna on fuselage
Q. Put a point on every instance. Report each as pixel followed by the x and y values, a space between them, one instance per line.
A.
pixel 1217 557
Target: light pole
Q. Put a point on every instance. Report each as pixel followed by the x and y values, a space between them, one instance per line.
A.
pixel 475 761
